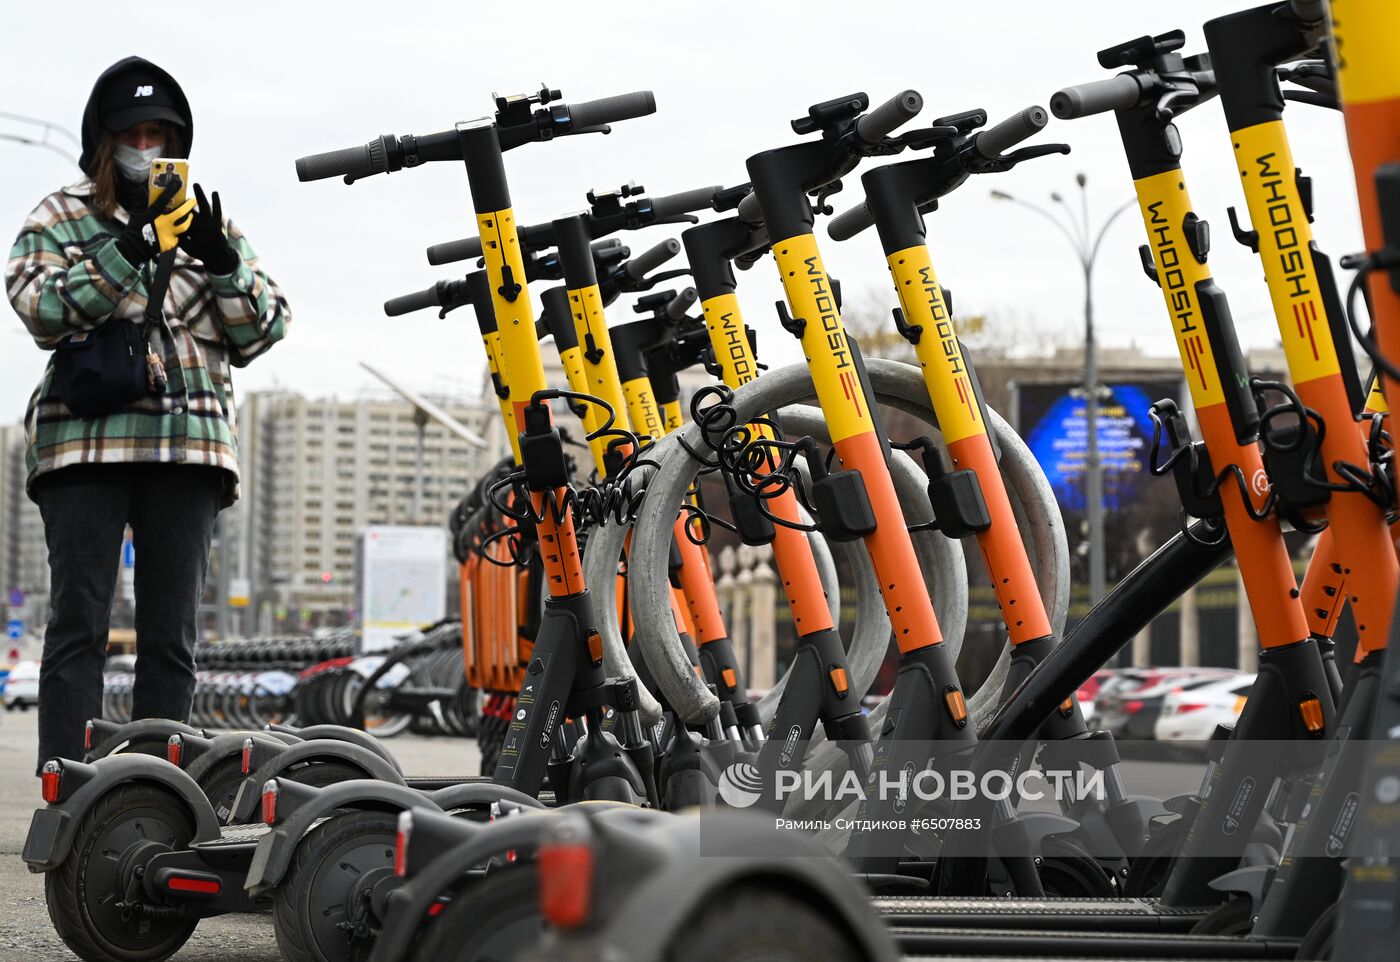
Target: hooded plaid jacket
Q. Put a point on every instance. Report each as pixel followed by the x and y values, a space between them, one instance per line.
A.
pixel 66 276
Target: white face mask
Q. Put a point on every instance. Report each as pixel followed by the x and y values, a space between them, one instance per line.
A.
pixel 135 165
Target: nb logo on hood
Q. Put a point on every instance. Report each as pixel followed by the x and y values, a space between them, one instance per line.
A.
pixel 145 90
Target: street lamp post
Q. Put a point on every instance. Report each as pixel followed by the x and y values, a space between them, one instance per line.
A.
pixel 1086 245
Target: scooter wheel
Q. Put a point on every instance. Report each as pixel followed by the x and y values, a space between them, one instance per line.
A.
pixel 496 918
pixel 85 893
pixel 1067 870
pixel 1233 917
pixel 313 912
pixel 1147 876
pixel 688 788
pixel 220 785
pixel 1321 939
pixel 755 922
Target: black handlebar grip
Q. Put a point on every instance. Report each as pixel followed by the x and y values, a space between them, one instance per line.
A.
pixel 850 222
pixel 458 250
pixel 649 260
pixel 1309 11
pixel 609 110
pixel 749 210
pixel 1115 93
pixel 416 301
pixel 361 161
pixel 686 201
pixel 874 125
pixel 994 141
pixel 682 302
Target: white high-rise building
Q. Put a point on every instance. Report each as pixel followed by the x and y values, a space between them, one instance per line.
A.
pixel 24 556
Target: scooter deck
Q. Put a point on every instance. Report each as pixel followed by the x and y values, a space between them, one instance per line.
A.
pixel 1056 944
pixel 1055 914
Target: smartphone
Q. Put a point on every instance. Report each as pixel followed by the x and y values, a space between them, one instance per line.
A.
pixel 167 171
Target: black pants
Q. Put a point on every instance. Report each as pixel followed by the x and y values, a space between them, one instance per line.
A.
pixel 171 510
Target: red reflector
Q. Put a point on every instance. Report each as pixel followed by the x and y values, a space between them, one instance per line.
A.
pixel 269 802
pixel 1132 707
pixel 566 882
pixel 247 758
pixel 435 909
pixel 202 886
pixel 51 780
pixel 87 736
pixel 401 837
pixel 174 747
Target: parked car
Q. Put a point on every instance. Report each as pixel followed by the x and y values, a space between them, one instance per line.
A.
pixel 1190 715
pixel 1088 692
pixel 1130 703
pixel 22 686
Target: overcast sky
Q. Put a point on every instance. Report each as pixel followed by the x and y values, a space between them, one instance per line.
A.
pixel 271 82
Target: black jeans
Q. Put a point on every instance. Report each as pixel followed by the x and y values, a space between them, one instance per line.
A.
pixel 171 510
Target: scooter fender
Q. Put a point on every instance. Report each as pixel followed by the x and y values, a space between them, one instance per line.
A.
pixel 480 794
pixel 340 733
pixel 210 751
pixel 321 750
pixel 52 829
pixel 107 738
pixel 300 807
pixel 1251 882
pixel 668 882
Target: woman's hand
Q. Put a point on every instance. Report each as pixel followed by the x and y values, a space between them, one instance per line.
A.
pixel 155 230
pixel 205 239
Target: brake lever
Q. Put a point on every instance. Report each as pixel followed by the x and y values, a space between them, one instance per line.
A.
pixel 1005 162
pixel 598 129
pixel 929 137
pixel 678 219
pixel 651 280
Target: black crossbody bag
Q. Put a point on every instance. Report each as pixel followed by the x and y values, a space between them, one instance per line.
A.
pixel 98 371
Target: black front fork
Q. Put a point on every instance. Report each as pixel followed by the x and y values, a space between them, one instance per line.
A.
pixel 1272 740
pixel 926 727
pixel 818 689
pixel 721 667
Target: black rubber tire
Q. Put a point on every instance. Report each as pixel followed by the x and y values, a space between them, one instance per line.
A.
pixel 1232 917
pixel 220 784
pixel 493 920
pixel 1067 870
pixel 81 892
pixel 1147 876
pixel 757 922
pixel 1319 944
pixel 311 899
pixel 687 788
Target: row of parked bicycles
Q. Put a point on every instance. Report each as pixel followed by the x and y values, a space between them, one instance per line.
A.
pixel 639 805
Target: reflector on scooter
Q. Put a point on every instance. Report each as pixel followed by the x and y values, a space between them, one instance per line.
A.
pixel 1310 708
pixel 51 780
pixel 401 837
pixel 174 748
pixel 957 705
pixel 269 802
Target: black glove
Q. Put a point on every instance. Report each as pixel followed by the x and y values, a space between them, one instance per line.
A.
pixel 205 240
pixel 133 242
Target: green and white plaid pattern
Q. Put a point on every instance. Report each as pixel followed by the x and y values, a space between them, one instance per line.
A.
pixel 65 276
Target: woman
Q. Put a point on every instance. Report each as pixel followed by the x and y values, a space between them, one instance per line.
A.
pixel 165 463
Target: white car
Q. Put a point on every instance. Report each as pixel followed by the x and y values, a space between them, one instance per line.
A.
pixel 1191 715
pixel 22 686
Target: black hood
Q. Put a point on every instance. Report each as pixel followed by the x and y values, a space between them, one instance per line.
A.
pixel 92 119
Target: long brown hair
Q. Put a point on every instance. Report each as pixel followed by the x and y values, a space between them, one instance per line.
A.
pixel 103 199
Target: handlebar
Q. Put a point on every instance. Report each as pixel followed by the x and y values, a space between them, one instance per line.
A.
pixel 683 203
pixel 749 210
pixel 649 260
pixel 874 125
pixel 352 162
pixel 677 306
pixel 1116 93
pixel 459 250
pixel 850 222
pixel 610 110
pixel 407 303
pixel 994 141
